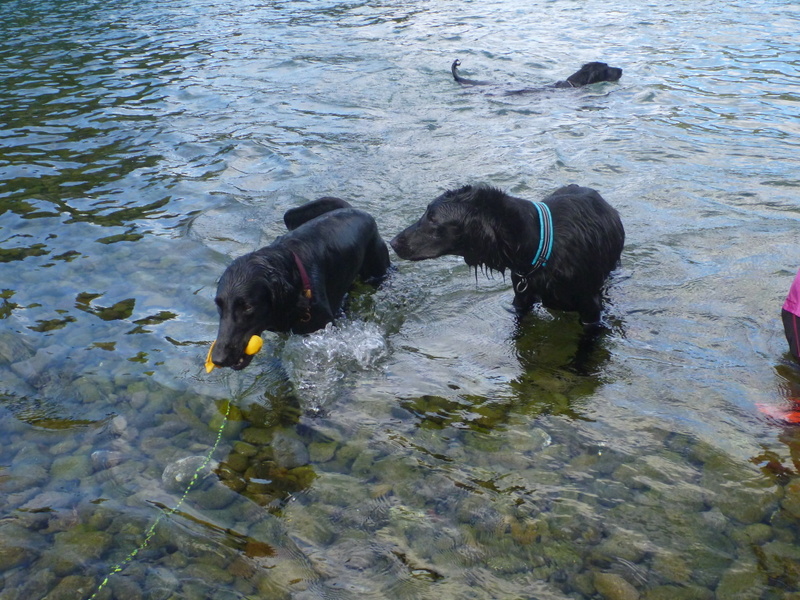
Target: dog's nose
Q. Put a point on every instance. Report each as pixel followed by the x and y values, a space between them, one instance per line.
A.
pixel 397 243
pixel 219 355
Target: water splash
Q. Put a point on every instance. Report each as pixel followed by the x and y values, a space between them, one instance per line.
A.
pixel 320 364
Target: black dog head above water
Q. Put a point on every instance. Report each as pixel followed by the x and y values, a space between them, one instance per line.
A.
pixel 254 295
pixel 593 72
pixel 460 222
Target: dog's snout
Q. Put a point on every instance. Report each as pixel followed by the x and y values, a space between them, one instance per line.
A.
pixel 401 246
pixel 220 355
pixel 397 243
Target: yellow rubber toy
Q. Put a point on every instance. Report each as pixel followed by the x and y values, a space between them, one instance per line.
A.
pixel 253 346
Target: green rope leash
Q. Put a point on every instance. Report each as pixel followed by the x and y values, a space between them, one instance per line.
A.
pixel 150 532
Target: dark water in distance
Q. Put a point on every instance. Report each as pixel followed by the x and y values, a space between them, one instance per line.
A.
pixel 428 445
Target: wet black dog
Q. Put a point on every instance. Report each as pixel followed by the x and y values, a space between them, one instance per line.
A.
pixel 593 72
pixel 298 282
pixel 576 234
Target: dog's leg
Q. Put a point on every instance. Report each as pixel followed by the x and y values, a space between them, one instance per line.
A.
pixel 524 296
pixel 593 330
pixel 586 354
pixel 590 310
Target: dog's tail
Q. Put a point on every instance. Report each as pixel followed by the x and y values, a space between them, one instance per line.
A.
pixel 463 80
pixel 294 217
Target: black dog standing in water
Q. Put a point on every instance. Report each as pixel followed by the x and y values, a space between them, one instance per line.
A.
pixel 559 251
pixel 593 72
pixel 298 282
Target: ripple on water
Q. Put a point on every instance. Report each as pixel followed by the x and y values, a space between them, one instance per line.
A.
pixel 452 452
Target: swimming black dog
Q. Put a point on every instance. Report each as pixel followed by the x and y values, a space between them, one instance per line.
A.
pixel 559 251
pixel 298 282
pixel 593 72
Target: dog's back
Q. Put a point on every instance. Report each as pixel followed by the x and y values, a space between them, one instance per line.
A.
pixel 342 237
pixel 294 217
pixel 586 211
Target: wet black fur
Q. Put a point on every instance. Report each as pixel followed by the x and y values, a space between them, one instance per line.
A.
pixel 294 217
pixel 492 230
pixel 262 290
pixel 593 72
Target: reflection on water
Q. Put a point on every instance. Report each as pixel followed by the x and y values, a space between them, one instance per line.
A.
pixel 429 444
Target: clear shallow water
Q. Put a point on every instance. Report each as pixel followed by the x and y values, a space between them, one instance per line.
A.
pixel 428 446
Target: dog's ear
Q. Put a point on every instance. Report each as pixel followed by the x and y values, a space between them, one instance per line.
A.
pixel 271 280
pixel 484 223
pixel 581 76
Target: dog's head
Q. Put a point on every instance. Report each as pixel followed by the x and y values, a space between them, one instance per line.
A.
pixel 438 232
pixel 459 222
pixel 249 298
pixel 594 72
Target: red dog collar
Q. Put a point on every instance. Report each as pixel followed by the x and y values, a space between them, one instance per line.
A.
pixel 305 317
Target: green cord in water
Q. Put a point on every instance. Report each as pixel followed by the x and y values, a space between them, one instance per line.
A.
pixel 150 532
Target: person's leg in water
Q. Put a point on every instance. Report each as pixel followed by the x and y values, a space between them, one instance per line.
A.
pixel 791 327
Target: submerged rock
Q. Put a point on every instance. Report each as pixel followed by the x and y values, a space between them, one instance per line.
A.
pixel 678 592
pixel 75 466
pixel 13 348
pixel 289 451
pixel 614 587
pixel 256 436
pixel 743 581
pixel 48 500
pixel 320 452
pixel 12 554
pixel 791 498
pixel 105 459
pixel 71 587
pixel 178 475
pixel 780 560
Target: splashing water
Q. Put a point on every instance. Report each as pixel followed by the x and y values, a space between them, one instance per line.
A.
pixel 319 364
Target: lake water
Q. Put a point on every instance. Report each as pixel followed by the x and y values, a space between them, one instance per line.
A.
pixel 427 446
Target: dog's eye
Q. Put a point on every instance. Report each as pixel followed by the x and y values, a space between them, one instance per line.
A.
pixel 248 308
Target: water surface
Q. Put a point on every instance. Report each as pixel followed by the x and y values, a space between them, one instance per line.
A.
pixel 428 445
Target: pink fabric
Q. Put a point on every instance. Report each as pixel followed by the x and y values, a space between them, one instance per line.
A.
pixel 792 303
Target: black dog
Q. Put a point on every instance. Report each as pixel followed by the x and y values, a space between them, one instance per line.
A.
pixel 298 282
pixel 561 262
pixel 593 72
